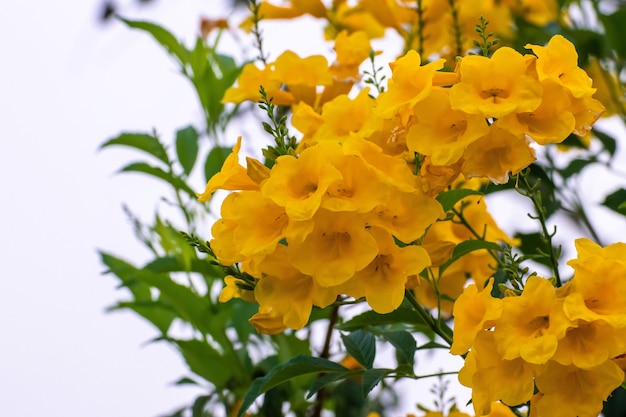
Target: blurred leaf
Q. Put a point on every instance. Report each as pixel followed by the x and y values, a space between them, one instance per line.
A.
pixel 199 406
pixel 614 31
pixel 609 143
pixel 371 378
pixel 205 361
pixel 215 160
pixel 142 141
pixel 162 36
pixel 616 201
pixel 534 245
pixel 448 199
pixel 371 318
pixel 466 247
pixel 156 312
pixel 186 381
pixel 576 166
pixel 174 181
pixel 405 345
pixel 127 273
pixel 171 264
pixel 174 244
pixel 187 148
pixel 361 345
pixel 298 366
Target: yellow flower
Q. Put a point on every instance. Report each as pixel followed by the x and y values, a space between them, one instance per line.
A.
pixel 301 75
pixel 441 132
pixel 586 111
pixel 409 84
pixel 493 378
pixel 496 86
pixel 231 290
pixel 232 176
pixel 590 344
pixel 353 19
pixel 359 188
pixel 473 311
pixel 570 391
pixel 551 122
pixel 399 215
pixel 352 50
pixel 294 9
pixel 609 90
pixel 267 321
pixel 538 12
pixel 598 293
pixel 531 324
pixel 496 155
pixel 436 178
pixel 299 184
pixel 260 222
pixel 338 246
pixel 500 410
pixel 383 280
pixel 248 84
pixel 558 61
pixel 342 116
pixel 287 292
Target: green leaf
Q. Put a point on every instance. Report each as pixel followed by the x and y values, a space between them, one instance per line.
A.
pixel 215 161
pixel 156 312
pixel 322 381
pixel 362 346
pixel 405 345
pixel 205 361
pixel 371 378
pixel 142 141
pixel 466 247
pixel 448 199
pixel 162 36
pixel 534 246
pixel 186 381
pixel 127 273
pixel 199 406
pixel 614 30
pixel 609 143
pixel 157 172
pixel 576 166
pixel 616 201
pixel 187 148
pixel 298 366
pixel 371 318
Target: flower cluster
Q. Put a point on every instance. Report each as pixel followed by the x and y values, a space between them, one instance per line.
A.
pixel 418 23
pixel 555 347
pixel 346 215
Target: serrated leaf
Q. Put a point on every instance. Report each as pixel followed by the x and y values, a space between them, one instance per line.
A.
pixel 371 378
pixel 405 345
pixel 215 160
pixel 141 141
pixel 361 345
pixel 616 201
pixel 298 366
pixel 187 148
pixel 371 318
pixel 162 36
pixel 448 199
pixel 157 172
pixel 466 247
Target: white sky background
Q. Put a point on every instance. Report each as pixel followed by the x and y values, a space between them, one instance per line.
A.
pixel 67 84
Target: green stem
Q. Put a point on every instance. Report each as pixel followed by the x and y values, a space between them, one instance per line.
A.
pixel 443 331
pixel 534 195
